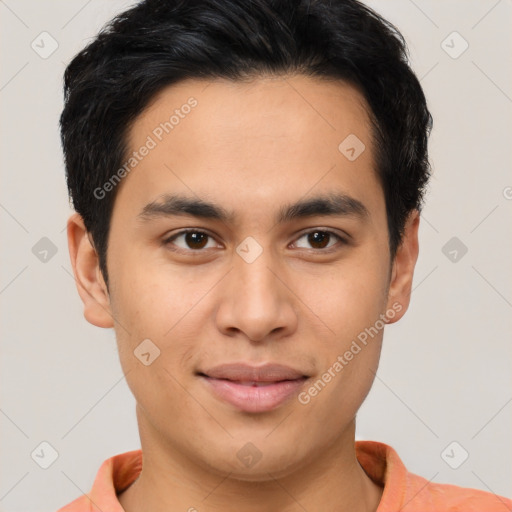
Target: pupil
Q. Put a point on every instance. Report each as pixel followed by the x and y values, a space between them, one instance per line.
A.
pixel 317 238
pixel 193 240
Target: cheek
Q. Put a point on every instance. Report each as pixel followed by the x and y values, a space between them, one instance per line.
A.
pixel 154 303
pixel 351 307
pixel 345 375
pixel 346 299
pixel 150 298
pixel 155 345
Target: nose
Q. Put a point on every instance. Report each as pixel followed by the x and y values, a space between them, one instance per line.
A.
pixel 256 300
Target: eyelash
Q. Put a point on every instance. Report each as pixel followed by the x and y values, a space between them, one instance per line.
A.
pixel 168 240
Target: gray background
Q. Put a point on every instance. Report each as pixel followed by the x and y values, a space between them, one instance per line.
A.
pixel 445 373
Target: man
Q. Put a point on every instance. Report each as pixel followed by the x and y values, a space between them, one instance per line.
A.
pixel 248 178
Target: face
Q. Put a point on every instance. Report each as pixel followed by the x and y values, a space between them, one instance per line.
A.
pixel 254 281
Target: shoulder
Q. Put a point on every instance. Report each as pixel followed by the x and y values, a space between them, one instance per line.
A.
pixel 81 504
pixel 408 492
pixel 114 475
pixel 447 497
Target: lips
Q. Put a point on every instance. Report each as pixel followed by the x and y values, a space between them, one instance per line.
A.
pixel 253 389
pixel 245 373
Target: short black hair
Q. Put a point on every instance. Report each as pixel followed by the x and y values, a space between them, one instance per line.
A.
pixel 157 43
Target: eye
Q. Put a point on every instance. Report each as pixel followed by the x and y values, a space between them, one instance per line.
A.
pixel 195 240
pixel 192 239
pixel 319 239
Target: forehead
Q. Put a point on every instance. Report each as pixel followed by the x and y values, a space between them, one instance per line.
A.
pixel 257 141
pixel 269 107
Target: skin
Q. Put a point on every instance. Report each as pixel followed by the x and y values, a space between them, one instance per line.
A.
pixel 251 148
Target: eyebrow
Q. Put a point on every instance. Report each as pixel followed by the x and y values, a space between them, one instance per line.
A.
pixel 334 204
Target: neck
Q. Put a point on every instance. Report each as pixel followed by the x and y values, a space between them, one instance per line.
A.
pixel 169 481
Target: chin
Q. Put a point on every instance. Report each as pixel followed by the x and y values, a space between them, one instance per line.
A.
pixel 251 465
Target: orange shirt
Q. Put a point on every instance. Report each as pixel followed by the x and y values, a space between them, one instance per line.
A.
pixel 403 491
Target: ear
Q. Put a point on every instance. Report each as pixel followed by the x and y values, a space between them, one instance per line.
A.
pixel 88 277
pixel 400 285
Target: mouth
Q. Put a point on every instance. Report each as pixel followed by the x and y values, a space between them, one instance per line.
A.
pixel 252 383
pixel 253 389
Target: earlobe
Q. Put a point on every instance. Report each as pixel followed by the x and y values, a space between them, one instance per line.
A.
pixel 88 278
pixel 400 286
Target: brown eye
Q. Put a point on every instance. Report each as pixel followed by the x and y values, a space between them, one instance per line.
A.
pixel 196 240
pixel 192 240
pixel 319 239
